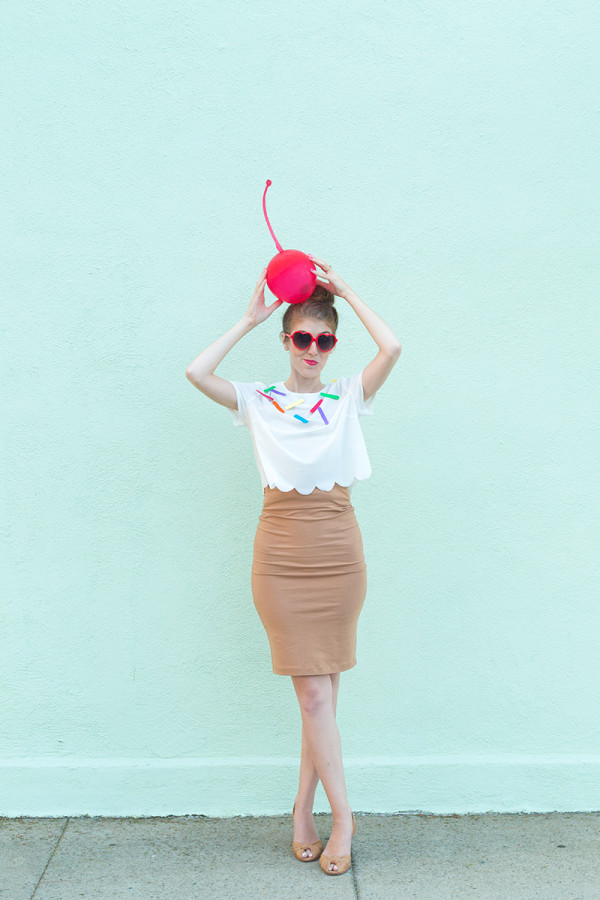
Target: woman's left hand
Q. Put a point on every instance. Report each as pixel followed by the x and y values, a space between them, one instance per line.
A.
pixel 328 278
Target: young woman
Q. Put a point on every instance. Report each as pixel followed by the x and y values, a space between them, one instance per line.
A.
pixel 308 571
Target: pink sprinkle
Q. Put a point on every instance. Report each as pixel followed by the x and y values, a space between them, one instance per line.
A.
pixel 323 416
pixel 317 405
pixel 265 395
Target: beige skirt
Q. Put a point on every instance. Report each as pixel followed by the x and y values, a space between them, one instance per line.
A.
pixel 309 579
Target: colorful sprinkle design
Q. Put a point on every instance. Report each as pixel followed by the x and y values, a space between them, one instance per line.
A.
pixel 318 405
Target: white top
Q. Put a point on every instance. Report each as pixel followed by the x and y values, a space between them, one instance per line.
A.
pixel 303 447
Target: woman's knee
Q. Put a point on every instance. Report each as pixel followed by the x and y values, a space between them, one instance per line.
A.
pixel 313 691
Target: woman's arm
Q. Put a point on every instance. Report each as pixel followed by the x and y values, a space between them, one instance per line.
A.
pixel 376 372
pixel 201 370
pixel 381 333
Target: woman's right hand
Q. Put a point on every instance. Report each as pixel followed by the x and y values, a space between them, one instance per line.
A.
pixel 257 311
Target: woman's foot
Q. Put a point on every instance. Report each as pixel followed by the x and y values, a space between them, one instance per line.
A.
pixel 340 839
pixel 304 829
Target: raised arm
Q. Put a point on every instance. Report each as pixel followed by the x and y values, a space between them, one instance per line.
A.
pixel 201 370
pixel 376 372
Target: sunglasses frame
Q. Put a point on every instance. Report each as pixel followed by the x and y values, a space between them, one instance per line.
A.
pixel 313 338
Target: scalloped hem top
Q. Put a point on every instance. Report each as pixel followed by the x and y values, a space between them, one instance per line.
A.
pixel 306 441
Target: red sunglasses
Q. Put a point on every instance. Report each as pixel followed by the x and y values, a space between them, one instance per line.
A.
pixel 303 339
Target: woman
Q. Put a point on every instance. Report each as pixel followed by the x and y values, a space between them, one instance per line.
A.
pixel 308 569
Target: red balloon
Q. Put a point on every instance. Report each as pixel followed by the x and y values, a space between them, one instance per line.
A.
pixel 290 274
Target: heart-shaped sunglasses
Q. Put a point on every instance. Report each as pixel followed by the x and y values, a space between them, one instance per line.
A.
pixel 303 339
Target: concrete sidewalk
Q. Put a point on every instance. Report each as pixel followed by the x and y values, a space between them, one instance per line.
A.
pixel 492 856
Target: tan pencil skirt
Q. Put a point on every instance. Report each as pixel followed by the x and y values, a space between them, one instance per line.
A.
pixel 309 579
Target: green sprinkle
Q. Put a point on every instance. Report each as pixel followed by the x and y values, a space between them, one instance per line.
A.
pixel 333 396
pixel 271 388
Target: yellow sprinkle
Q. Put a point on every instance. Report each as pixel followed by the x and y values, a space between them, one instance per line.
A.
pixel 334 379
pixel 295 403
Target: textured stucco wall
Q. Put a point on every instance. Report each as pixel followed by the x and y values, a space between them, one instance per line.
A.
pixel 443 158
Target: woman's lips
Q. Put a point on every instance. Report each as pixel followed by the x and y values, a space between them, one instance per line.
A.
pixel 311 362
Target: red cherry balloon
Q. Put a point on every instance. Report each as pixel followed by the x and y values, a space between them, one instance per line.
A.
pixel 290 274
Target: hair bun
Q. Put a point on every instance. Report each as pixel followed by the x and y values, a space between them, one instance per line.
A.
pixel 313 307
pixel 323 295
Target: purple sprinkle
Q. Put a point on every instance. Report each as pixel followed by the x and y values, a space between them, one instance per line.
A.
pixel 281 394
pixel 323 416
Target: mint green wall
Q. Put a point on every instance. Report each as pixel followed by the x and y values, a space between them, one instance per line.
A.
pixel 443 158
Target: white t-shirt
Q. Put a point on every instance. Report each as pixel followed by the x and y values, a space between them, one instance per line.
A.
pixel 305 447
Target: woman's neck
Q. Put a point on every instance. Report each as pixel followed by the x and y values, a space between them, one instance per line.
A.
pixel 308 386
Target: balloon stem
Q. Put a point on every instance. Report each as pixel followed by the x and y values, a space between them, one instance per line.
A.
pixel 277 244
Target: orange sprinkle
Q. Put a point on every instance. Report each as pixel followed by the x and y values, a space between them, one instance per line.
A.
pixel 275 403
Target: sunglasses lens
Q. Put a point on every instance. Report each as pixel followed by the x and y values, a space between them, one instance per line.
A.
pixel 326 342
pixel 301 339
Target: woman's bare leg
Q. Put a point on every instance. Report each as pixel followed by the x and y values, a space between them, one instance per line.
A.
pixel 304 825
pixel 315 696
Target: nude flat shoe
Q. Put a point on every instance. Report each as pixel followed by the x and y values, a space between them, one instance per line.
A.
pixel 316 848
pixel 342 862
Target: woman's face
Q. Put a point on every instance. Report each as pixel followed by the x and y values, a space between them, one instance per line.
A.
pixel 312 360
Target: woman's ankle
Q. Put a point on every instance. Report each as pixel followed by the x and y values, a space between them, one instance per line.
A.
pixel 304 805
pixel 342 815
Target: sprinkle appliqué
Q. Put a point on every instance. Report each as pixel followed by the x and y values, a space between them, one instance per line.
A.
pixel 318 407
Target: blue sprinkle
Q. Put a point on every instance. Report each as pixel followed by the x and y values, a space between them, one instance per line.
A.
pixel 300 417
